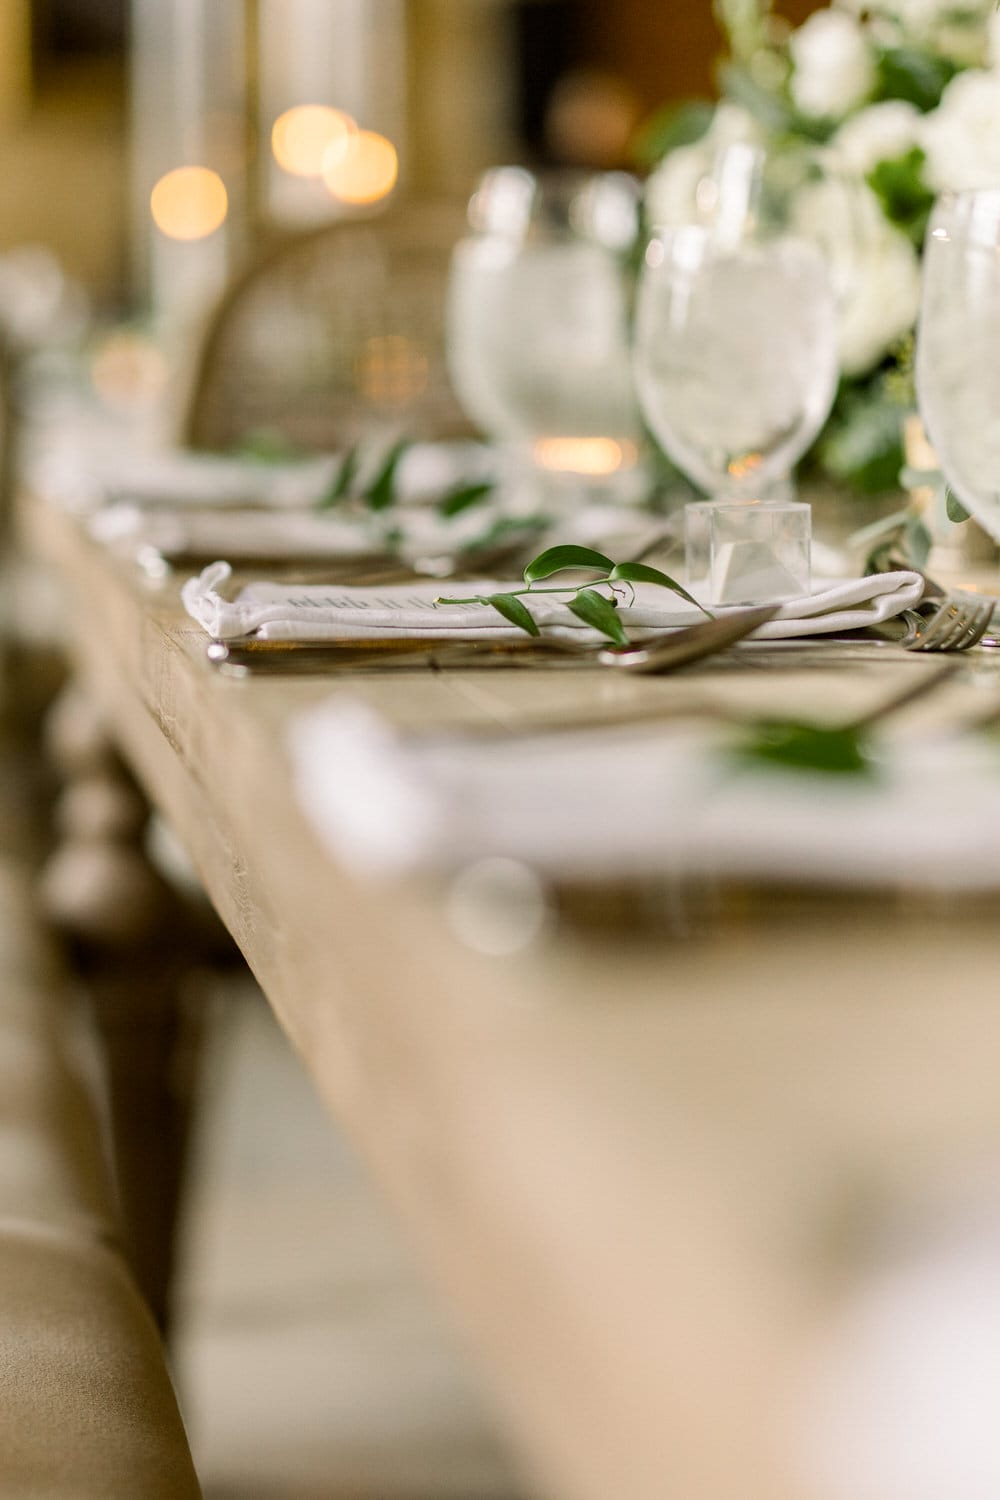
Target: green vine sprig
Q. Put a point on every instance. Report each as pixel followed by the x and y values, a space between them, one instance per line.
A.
pixel 381 492
pixel 583 600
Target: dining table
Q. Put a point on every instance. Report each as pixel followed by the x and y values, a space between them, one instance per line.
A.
pixel 695 1164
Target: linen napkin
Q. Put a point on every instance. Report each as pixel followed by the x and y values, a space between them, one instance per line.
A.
pixel 640 801
pixel 318 612
pixel 178 477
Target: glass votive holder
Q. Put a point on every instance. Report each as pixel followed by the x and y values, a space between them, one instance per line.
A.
pixel 747 551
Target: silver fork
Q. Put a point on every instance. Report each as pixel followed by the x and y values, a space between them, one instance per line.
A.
pixel 956 625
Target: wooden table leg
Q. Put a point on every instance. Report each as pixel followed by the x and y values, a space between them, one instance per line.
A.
pixel 137 946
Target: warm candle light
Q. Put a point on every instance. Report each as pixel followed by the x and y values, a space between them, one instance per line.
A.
pixel 585 455
pixel 310 139
pixel 363 173
pixel 189 203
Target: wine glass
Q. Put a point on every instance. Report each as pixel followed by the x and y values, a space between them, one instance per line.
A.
pixel 538 339
pixel 736 364
pixel 958 348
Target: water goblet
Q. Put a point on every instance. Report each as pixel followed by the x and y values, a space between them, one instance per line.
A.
pixel 736 365
pixel 537 335
pixel 958 348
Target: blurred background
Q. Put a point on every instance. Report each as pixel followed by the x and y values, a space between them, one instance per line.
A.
pixel 100 98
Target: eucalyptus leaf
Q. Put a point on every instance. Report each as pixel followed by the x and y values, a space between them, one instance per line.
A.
pixel 595 610
pixel 677 125
pixel 880 530
pixel 643 573
pixel 769 107
pixel 514 611
pixel 954 508
pixel 558 559
pixel 917 542
pixel 463 496
pixel 862 443
pixel 344 479
pixel 381 493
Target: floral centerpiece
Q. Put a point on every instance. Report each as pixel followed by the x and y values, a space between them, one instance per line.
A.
pixel 906 95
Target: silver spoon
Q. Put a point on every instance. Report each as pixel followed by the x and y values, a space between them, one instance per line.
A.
pixel 691 643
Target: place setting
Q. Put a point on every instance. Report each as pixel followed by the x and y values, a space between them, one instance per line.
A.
pixel 704 382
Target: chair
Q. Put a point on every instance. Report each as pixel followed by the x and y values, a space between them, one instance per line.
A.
pixel 332 334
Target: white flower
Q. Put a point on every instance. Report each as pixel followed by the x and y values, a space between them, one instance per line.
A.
pixel 875 269
pixel 833 66
pixel 882 132
pixel 951 27
pixel 731 124
pixel 672 190
pixel 882 304
pixel 962 136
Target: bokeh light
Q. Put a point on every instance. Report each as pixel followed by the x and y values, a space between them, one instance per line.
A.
pixel 189 203
pixel 365 172
pixel 308 138
pixel 391 370
pixel 584 455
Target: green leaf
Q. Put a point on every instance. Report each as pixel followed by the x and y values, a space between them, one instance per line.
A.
pixel 917 542
pixel 805 747
pixel 769 108
pixel 678 124
pixel 878 531
pixel 956 511
pixel 863 441
pixel 344 480
pixel 514 611
pixel 463 497
pixel 903 193
pixel 642 573
pixel 267 445
pixel 381 493
pixel 594 609
pixel 918 76
pixel 556 559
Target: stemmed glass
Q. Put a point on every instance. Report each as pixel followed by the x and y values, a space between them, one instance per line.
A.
pixel 537 328
pixel 958 348
pixel 736 365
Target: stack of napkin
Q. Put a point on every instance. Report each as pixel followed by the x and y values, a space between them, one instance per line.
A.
pixel 209 505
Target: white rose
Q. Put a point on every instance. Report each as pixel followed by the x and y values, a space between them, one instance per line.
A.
pixel 875 269
pixel 833 66
pixel 731 125
pixel 882 132
pixel 882 304
pixel 672 190
pixel 962 136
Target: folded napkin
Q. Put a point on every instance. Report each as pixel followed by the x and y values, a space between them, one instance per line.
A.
pixel 186 531
pixel 178 477
pixel 650 800
pixel 319 612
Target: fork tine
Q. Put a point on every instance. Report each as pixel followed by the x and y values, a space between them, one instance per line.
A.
pixel 937 630
pixel 955 627
pixel 978 617
pixel 982 623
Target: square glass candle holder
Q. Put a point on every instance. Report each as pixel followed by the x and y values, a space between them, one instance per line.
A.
pixel 747 551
